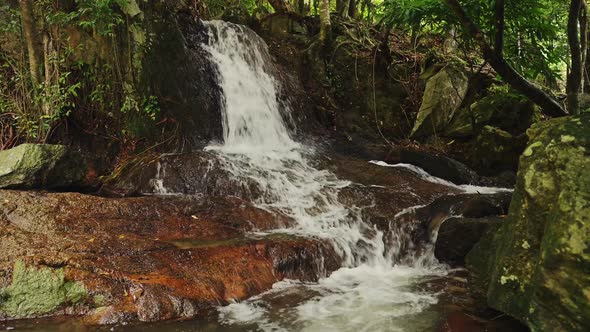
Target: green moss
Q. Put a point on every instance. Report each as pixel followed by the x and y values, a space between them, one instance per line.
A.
pixel 35 292
pixel 99 300
pixel 538 265
pixel 530 149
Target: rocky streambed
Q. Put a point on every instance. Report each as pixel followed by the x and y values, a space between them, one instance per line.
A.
pixel 179 255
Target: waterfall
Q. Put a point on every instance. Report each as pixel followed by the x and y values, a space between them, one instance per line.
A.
pixel 252 122
pixel 258 147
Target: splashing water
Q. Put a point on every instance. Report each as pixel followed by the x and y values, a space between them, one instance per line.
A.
pixel 370 292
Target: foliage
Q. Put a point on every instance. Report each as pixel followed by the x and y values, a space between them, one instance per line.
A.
pixel 84 70
pixel 535 41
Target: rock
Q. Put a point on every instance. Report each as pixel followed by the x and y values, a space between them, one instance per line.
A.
pixel 429 218
pixel 142 259
pixel 444 94
pixel 198 172
pixel 353 100
pixel 457 321
pixel 503 109
pixel 41 166
pixel 457 236
pixel 434 214
pixel 497 151
pixel 436 165
pixel 178 71
pixel 285 25
pixel 536 267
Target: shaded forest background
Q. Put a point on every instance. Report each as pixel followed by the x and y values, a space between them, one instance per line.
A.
pixel 83 72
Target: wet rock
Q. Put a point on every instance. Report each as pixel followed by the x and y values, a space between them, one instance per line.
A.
pixel 535 267
pixel 443 96
pixel 41 166
pixel 457 236
pixel 497 150
pixel 146 258
pixel 196 172
pixel 436 165
pixel 458 321
pixel 471 206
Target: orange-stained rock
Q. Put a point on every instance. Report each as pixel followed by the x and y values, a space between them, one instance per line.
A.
pixel 153 258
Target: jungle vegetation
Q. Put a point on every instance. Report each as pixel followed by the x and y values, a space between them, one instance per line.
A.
pixel 55 76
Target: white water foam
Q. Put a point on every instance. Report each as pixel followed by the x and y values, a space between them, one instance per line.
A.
pixel 372 291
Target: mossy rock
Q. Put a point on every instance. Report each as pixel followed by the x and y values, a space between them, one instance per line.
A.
pixel 41 166
pixel 443 96
pixel 36 292
pixel 502 108
pixel 497 150
pixel 539 262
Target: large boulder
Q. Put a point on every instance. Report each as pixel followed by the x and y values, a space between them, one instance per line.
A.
pixel 41 166
pixel 455 222
pixel 497 150
pixel 504 109
pixel 444 94
pixel 537 267
pixel 457 236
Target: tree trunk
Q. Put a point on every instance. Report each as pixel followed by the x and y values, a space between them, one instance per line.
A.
pixel 549 105
pixel 574 81
pixel 499 24
pixel 584 42
pixel 352 9
pixel 325 25
pixel 31 38
pixel 280 6
pixel 342 7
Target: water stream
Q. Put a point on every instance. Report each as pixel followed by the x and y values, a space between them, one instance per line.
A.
pixel 385 283
pixel 372 291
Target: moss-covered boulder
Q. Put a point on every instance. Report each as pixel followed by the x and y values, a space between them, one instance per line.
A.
pixel 41 166
pixel 35 292
pixel 443 96
pixel 497 150
pixel 537 267
pixel 501 108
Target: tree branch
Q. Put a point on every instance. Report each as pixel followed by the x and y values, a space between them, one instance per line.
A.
pixel 500 25
pixel 549 105
pixel 574 82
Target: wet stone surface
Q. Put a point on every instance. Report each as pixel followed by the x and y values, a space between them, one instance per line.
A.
pixel 135 259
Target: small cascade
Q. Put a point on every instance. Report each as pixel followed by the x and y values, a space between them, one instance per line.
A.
pixel 374 288
pixel 157 183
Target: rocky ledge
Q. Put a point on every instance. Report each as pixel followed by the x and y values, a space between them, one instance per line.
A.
pixel 145 258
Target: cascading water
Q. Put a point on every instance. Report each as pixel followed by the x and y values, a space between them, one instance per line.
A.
pixel 257 147
pixel 370 292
